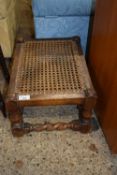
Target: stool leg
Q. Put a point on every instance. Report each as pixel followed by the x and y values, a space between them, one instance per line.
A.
pixel 86 114
pixel 16 119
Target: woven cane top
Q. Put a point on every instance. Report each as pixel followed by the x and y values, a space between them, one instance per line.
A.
pixel 50 69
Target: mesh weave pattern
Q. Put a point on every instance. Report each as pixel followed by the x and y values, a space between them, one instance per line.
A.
pixel 51 67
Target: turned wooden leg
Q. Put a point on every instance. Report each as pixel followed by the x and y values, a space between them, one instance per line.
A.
pixel 16 119
pixel 85 114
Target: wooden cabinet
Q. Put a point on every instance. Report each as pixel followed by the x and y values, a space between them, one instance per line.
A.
pixel 103 67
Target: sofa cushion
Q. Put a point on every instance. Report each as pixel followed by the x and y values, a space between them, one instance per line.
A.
pixel 62 27
pixel 5 7
pixel 8 28
pixel 62 7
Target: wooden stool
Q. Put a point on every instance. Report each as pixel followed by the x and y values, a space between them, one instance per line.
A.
pixel 50 72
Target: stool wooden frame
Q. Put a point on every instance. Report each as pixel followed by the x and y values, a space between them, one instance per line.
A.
pixel 50 72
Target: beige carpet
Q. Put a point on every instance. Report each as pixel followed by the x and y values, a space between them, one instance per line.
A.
pixel 54 153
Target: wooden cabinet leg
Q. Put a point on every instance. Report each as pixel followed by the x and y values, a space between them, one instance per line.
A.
pixel 16 119
pixel 85 114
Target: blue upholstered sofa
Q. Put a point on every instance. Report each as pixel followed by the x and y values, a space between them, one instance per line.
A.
pixel 62 18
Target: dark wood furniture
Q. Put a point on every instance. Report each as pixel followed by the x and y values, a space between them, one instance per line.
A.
pixel 103 67
pixel 50 72
pixel 2 105
pixel 4 67
pixel 7 78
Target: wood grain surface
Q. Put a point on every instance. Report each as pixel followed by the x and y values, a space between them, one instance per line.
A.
pixel 103 67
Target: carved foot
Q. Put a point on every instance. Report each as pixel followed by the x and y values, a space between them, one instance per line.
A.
pixel 19 129
pixel 83 126
pixel 17 132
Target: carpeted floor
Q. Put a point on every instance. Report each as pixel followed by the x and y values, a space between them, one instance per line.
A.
pixel 57 152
